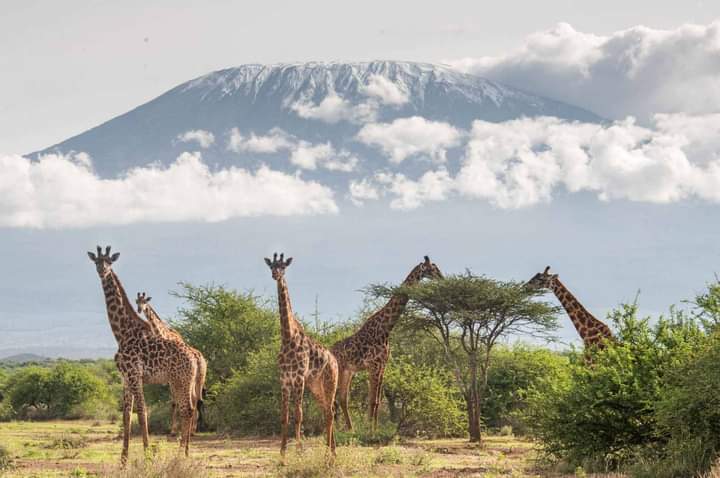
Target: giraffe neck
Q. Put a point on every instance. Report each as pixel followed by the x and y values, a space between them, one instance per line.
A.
pixel 580 317
pixel 288 325
pixel 154 319
pixel 121 316
pixel 391 312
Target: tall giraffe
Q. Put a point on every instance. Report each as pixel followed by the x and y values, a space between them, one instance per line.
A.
pixel 302 362
pixel 369 347
pixel 144 357
pixel 592 331
pixel 162 329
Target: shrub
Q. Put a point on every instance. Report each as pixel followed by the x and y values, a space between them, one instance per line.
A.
pixel 422 400
pixel 37 392
pixel 67 442
pixel 362 434
pixel 514 370
pixel 603 415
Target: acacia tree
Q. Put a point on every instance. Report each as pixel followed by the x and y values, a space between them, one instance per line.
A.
pixel 468 315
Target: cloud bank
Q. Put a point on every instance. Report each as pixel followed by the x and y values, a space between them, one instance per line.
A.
pixel 639 71
pixel 63 191
pixel 524 162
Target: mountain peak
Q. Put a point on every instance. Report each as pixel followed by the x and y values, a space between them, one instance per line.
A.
pixel 323 103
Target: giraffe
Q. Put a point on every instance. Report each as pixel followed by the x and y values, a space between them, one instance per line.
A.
pixel 302 362
pixel 143 357
pixel 161 329
pixel 592 331
pixel 369 348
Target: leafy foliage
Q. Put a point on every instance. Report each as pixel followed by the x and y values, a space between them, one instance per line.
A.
pixel 603 414
pixel 225 325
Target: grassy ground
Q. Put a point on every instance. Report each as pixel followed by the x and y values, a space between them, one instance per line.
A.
pixel 88 449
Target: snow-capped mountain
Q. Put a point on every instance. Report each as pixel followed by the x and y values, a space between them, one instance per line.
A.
pixel 256 114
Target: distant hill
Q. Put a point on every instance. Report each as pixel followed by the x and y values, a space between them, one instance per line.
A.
pixel 19 359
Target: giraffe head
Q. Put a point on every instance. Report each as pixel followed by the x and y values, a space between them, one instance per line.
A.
pixel 278 265
pixel 103 262
pixel 542 280
pixel 142 302
pixel 428 269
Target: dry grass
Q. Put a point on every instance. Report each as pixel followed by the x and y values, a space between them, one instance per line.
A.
pixel 47 449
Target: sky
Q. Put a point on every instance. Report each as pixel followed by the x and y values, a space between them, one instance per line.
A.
pixel 618 208
pixel 70 66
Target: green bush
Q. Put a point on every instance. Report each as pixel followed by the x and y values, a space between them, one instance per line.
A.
pixel 513 371
pixel 422 400
pixel 362 434
pixel 226 326
pixel 604 415
pixel 57 392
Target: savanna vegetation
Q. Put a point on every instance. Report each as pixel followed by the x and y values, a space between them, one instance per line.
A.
pixel 459 383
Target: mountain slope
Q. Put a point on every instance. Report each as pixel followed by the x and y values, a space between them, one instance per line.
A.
pixel 257 98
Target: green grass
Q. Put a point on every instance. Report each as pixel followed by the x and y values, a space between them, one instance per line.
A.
pixel 84 449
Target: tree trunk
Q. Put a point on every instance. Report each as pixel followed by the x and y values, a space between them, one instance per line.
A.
pixel 473 411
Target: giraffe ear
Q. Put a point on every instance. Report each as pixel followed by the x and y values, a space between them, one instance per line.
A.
pixel 92 256
pixel 288 261
pixel 268 262
pixel 114 257
pixel 148 299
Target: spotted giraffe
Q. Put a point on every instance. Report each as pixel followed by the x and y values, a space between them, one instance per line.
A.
pixel 592 331
pixel 143 357
pixel 302 362
pixel 369 347
pixel 162 329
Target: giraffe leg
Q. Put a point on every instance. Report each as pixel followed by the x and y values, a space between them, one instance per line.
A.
pixel 343 392
pixel 330 388
pixel 375 376
pixel 173 418
pixel 127 417
pixel 378 396
pixel 186 410
pixel 284 419
pixel 141 411
pixel 298 391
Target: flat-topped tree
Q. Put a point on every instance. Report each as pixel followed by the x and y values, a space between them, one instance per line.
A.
pixel 162 329
pixel 369 348
pixel 144 357
pixel 302 362
pixel 592 331
pixel 467 315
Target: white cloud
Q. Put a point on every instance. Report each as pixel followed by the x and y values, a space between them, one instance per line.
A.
pixel 203 138
pixel 385 90
pixel 304 154
pixel 524 162
pixel 333 109
pixel 276 140
pixel 62 191
pixel 409 194
pixel 311 156
pixel 407 137
pixel 639 71
pixel 363 190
